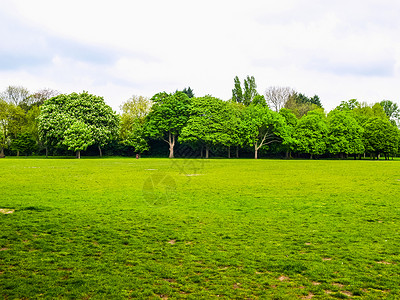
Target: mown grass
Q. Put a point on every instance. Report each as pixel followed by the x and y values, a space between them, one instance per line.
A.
pixel 267 229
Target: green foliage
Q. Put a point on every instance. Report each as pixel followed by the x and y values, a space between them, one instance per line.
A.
pixel 261 126
pixel 237 93
pixel 300 104
pixel 392 110
pixel 212 122
pixel 345 134
pixel 169 114
pixel 348 105
pixel 132 133
pixel 78 136
pixel 311 133
pixel 189 92
pixel 381 136
pixel 59 113
pixel 24 142
pixel 250 92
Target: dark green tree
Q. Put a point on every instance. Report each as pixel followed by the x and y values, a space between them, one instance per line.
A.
pixel 237 93
pixel 189 92
pixel 345 135
pixel 168 115
pixel 311 133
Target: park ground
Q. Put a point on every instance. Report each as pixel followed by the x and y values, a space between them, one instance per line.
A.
pixel 119 228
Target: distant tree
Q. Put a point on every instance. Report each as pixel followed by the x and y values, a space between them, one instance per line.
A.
pixel 250 90
pixel 189 92
pixel 237 93
pixel 259 100
pixel 5 115
pixel 12 121
pixel 291 122
pixel 16 95
pixel 277 96
pixel 311 133
pixel 381 137
pixel 38 98
pixel 262 126
pixel 299 109
pixel 59 113
pixel 24 142
pixel 392 110
pixel 211 123
pixel 348 105
pixel 345 135
pixel 134 112
pixel 168 115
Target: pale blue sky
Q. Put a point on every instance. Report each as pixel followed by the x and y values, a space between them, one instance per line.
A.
pixel 338 49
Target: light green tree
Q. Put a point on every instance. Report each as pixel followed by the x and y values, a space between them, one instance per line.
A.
pixel 59 113
pixel 134 112
pixel 78 137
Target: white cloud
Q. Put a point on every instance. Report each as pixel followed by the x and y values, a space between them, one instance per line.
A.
pixel 338 50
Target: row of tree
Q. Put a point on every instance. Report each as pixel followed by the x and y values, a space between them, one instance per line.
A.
pixel 281 121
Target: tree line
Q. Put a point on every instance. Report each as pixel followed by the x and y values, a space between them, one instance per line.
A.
pixel 281 122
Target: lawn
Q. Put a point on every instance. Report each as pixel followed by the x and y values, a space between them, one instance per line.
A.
pixel 118 228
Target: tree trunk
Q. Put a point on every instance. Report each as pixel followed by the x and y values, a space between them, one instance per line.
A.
pixel 237 151
pixel 100 152
pixel 201 151
pixel 47 152
pixel 78 154
pixel 229 151
pixel 171 141
pixel 255 151
pixel 287 154
pixel 311 156
pixel 2 153
pixel 207 151
pixel 17 153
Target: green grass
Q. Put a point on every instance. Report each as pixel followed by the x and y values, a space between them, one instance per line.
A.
pixel 237 229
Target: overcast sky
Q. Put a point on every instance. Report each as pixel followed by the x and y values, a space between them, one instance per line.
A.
pixel 339 50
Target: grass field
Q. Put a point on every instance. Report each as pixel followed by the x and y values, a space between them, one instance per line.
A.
pixel 235 229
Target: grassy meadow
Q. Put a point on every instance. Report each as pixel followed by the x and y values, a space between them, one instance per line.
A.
pixel 118 228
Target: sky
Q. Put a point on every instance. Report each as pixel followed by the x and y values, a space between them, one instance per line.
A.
pixel 338 50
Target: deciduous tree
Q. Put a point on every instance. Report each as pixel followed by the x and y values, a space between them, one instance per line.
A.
pixel 311 133
pixel 59 113
pixel 262 126
pixel 168 115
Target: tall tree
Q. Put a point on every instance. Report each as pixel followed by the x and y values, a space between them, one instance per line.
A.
pixel 237 92
pixel 250 90
pixel 168 115
pixel 59 113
